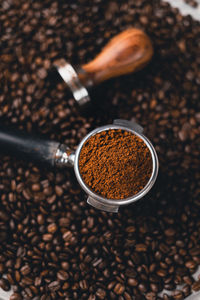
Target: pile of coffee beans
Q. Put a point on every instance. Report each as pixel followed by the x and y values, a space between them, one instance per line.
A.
pixel 53 245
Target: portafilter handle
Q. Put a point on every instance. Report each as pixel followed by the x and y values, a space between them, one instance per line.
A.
pixel 19 144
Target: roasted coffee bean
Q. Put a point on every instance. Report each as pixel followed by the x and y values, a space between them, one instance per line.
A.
pixel 47 237
pixel 142 287
pixel 25 270
pixel 141 248
pixel 188 280
pixel 119 289
pixel 178 295
pixel 186 290
pixel 130 272
pixel 3 216
pixel 10 279
pixel 161 272
pixel 67 236
pixel 4 284
pixel 52 228
pixel 15 296
pixel 154 287
pixel 132 282
pixel 151 296
pixel 101 294
pixel 190 264
pixel 54 285
pixel 166 297
pixel 196 286
pixel 62 275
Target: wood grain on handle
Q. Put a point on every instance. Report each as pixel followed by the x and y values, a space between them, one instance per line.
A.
pixel 127 52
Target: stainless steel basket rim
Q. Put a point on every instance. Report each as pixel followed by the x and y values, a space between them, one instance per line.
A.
pixel 144 191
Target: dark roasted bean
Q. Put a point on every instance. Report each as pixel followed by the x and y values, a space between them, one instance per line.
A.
pixel 151 296
pixel 15 296
pixel 142 287
pixel 54 286
pixel 101 294
pixel 196 286
pixel 62 275
pixel 4 284
pixel 25 270
pixel 132 282
pixel 178 295
pixel 186 290
pixel 119 289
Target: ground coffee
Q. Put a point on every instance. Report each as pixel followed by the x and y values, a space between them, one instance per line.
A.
pixel 115 163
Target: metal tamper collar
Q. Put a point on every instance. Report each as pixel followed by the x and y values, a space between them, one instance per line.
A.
pixel 70 76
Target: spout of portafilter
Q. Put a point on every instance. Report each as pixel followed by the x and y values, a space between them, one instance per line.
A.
pixel 19 144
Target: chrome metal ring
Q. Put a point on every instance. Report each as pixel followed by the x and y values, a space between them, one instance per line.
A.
pixel 70 76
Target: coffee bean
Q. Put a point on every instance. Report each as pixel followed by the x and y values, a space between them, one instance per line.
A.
pixel 15 296
pixel 58 190
pixel 25 270
pixel 4 284
pixel 65 286
pixel 17 276
pixel 141 248
pixel 170 232
pixel 47 237
pixel 40 219
pixel 101 294
pixel 64 222
pixel 161 272
pixel 150 296
pixel 35 187
pixel 166 297
pixel 142 287
pixel 130 272
pixel 67 236
pixel 3 216
pixel 196 286
pixel 83 284
pixel 10 279
pixel 2 268
pixel 190 264
pixel 65 265
pixel 62 275
pixel 178 295
pixel 132 282
pixel 54 286
pixel 52 228
pixel 119 289
pixel 186 290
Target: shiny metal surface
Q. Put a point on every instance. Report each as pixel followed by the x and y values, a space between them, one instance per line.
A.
pixel 110 204
pixel 64 156
pixel 70 76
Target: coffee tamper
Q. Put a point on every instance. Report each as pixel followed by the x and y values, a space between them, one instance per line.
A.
pixel 127 52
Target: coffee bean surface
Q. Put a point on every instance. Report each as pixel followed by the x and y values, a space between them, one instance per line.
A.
pixel 53 245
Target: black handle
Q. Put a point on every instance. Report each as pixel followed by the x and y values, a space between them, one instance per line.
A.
pixel 20 144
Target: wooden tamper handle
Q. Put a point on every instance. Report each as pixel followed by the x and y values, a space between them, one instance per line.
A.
pixel 127 52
